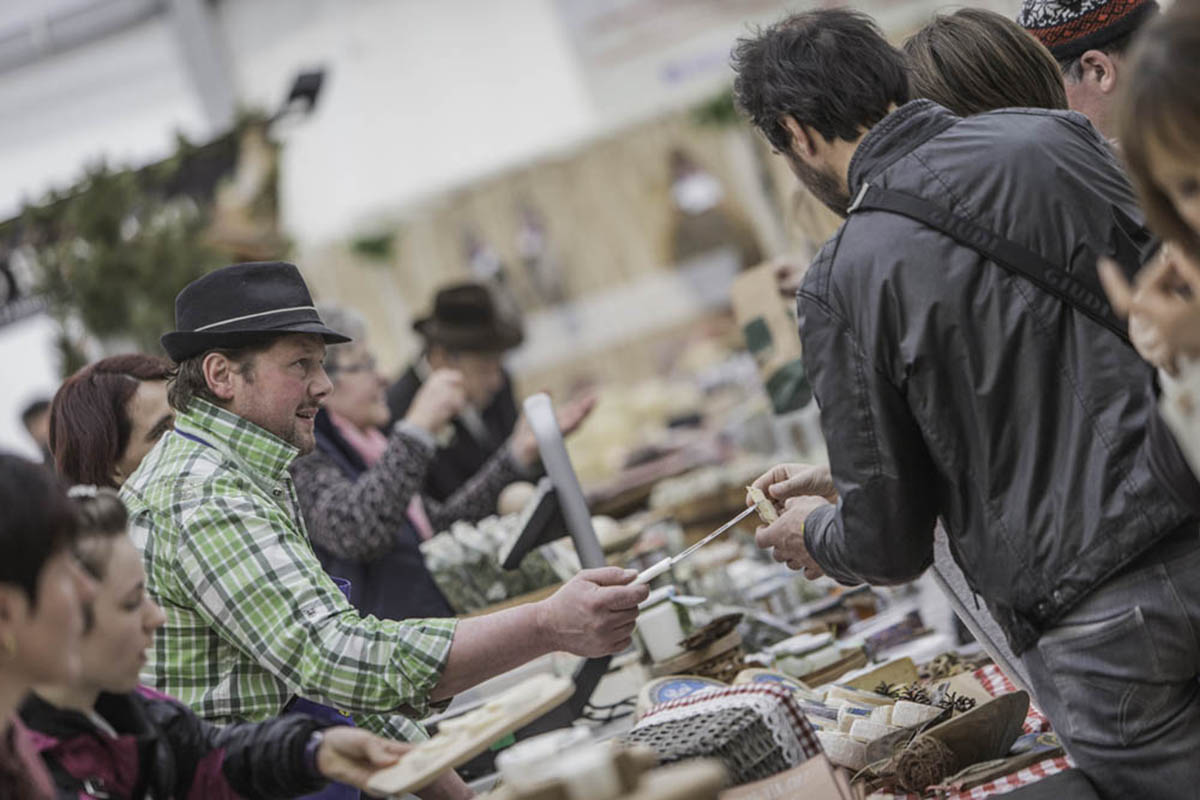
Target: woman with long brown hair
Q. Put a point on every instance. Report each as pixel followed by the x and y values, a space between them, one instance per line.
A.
pixel 974 60
pixel 107 416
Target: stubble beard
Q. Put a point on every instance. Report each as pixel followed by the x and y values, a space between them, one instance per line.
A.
pixel 823 185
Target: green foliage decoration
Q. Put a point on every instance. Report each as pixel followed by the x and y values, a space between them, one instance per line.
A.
pixel 113 250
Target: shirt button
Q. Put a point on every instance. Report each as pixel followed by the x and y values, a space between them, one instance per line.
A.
pixel 278 491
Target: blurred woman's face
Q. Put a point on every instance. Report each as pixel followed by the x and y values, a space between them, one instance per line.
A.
pixel 150 416
pixel 1178 176
pixel 124 620
pixel 358 388
pixel 43 641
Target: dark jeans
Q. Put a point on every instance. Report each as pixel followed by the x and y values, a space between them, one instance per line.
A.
pixel 1118 677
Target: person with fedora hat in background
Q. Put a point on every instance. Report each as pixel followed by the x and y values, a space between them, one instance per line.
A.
pixel 467 332
pixel 1089 39
pixel 360 489
pixel 252 618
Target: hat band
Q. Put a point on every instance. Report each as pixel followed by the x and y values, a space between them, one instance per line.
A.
pixel 232 320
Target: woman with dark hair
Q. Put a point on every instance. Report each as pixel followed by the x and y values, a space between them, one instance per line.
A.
pixel 103 736
pixel 975 60
pixel 107 416
pixel 42 595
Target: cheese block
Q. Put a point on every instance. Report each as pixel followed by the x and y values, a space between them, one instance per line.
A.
pixel 882 715
pixel 905 713
pixel 798 665
pixel 812 708
pixel 866 731
pixel 857 696
pixel 823 724
pixel 843 751
pixel 847 714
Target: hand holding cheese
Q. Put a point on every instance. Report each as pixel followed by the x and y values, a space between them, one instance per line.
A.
pixel 784 481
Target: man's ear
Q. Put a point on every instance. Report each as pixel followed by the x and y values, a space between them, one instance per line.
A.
pixel 219 372
pixel 803 139
pixel 1100 68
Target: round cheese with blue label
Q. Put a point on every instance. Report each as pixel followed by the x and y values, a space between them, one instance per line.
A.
pixel 673 687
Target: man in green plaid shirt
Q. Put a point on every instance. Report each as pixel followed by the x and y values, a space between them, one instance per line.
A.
pixel 252 619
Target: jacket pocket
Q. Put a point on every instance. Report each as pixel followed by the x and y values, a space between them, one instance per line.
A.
pixel 1108 676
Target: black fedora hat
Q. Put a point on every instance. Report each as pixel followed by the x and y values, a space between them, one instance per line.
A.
pixel 240 303
pixel 465 317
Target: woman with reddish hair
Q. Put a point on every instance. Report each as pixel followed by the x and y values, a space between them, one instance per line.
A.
pixel 107 416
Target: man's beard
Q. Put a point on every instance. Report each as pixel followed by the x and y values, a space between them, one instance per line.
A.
pixel 823 184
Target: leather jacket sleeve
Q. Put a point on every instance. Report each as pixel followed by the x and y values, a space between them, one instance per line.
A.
pixel 250 759
pixel 881 530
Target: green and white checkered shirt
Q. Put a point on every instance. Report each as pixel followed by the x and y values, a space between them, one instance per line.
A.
pixel 252 618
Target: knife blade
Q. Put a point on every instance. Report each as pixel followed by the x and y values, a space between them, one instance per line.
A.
pixel 652 572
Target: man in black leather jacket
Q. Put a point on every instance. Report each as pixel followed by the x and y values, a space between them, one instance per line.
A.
pixel 952 387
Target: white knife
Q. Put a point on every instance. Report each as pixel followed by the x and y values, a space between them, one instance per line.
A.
pixel 650 573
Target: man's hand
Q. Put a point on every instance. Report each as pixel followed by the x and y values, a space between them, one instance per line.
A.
pixel 594 613
pixel 784 537
pixel 569 416
pixel 784 481
pixel 353 755
pixel 440 399
pixel 1163 305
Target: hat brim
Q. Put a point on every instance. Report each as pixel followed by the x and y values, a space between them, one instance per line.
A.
pixel 495 338
pixel 182 345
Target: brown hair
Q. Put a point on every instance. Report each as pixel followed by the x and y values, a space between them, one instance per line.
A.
pixel 1158 108
pixel 187 379
pixel 89 424
pixel 102 518
pixel 975 60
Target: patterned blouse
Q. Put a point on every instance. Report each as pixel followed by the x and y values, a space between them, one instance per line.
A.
pixel 358 519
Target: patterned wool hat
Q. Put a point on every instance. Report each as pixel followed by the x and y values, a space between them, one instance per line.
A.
pixel 1069 28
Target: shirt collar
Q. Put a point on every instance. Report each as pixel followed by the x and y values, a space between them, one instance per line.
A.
pixel 256 448
pixel 895 136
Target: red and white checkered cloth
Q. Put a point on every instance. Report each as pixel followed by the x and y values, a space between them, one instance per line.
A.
pixel 1023 777
pixel 996 683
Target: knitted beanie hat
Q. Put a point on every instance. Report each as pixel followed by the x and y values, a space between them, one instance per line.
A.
pixel 1069 28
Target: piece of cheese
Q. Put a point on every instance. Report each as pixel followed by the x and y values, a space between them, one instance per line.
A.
pixel 764 507
pixel 843 751
pixel 857 696
pixel 847 714
pixel 906 713
pixel 866 731
pixel 882 715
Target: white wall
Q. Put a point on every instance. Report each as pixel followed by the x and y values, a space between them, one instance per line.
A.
pixel 420 95
pixel 122 98
pixel 30 371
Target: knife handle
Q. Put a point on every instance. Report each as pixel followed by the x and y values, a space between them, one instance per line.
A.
pixel 650 573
